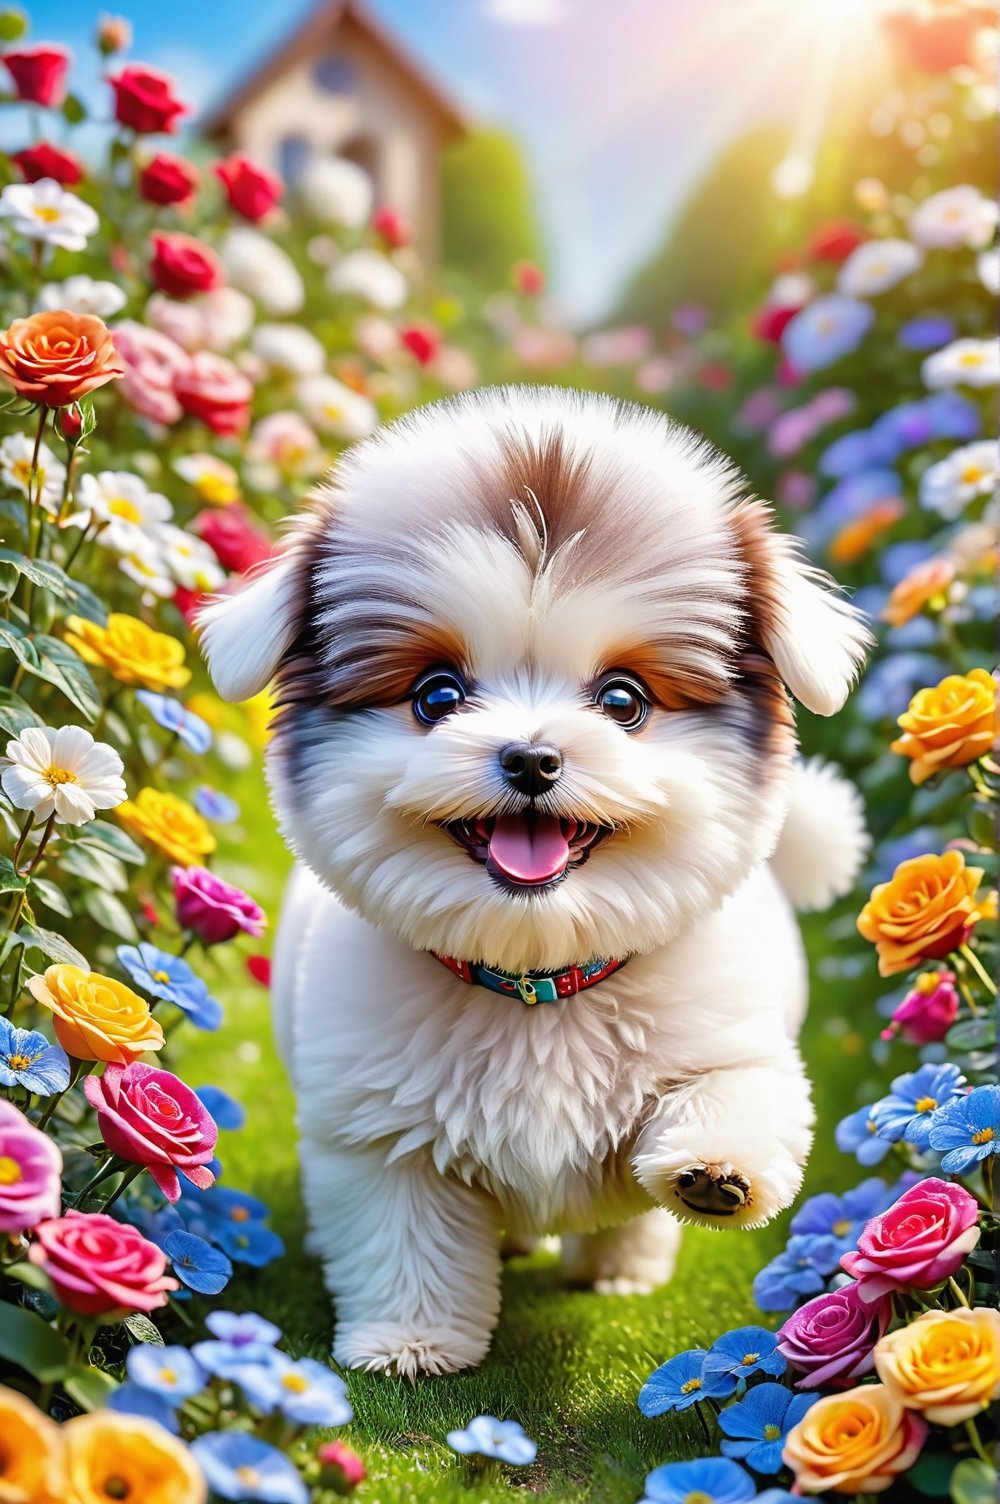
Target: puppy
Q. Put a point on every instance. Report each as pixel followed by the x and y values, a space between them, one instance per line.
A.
pixel 537 969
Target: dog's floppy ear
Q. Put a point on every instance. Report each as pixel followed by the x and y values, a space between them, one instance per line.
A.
pixel 816 639
pixel 244 635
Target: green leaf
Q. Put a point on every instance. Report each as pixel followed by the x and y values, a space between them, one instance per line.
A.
pixel 932 1474
pixel 974 1482
pixel 19 643
pixel 16 714
pixel 51 577
pixel 58 664
pixel 54 946
pixel 52 896
pixel 94 866
pixel 13 24
pixel 113 840
pixel 30 1343
pixel 10 880
pixel 90 1387
pixel 142 1329
pixel 73 110
pixel 110 913
pixel 972 1034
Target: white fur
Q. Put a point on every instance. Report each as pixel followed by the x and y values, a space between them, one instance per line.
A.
pixel 433 1114
pixel 824 839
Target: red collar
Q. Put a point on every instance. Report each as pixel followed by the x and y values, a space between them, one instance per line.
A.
pixel 532 986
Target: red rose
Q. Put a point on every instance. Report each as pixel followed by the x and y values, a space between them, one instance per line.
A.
pixel 214 390
pixel 230 533
pixel 181 265
pixel 39 73
pixel 528 278
pixel 835 240
pixel 769 323
pixel 422 341
pixel 145 100
pixel 45 161
pixel 168 180
pixel 390 225
pixel 251 190
pixel 100 1267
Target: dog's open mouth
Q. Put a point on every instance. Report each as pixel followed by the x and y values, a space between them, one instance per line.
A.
pixel 527 849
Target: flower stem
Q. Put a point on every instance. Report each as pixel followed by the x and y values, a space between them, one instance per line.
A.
pixel 988 1181
pixel 959 1293
pixel 109 1167
pixel 34 506
pixel 126 1180
pixel 977 1445
pixel 970 957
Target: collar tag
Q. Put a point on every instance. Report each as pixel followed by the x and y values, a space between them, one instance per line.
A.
pixel 526 988
pixel 532 987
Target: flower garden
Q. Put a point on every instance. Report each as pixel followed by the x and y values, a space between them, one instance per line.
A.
pixel 184 349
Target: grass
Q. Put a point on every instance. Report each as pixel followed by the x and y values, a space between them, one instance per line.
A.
pixel 567 1365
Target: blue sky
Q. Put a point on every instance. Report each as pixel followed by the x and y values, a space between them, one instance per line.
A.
pixel 618 103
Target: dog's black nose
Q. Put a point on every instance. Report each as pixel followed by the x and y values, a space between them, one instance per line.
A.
pixel 530 767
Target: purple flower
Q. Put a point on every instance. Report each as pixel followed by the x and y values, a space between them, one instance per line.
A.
pixel 829 1341
pixel 214 910
pixel 215 806
pixel 852 451
pixel 926 332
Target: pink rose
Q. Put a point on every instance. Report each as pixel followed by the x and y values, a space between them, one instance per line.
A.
pixel 30 1167
pixel 340 1467
pixel 152 365
pixel 213 389
pixel 829 1340
pixel 921 1240
pixel 215 910
pixel 100 1267
pixel 928 1011
pixel 149 1118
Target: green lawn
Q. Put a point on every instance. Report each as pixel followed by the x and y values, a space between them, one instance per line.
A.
pixel 566 1365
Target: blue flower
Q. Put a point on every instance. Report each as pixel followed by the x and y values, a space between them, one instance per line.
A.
pixel 906 426
pixel 240 1328
pixel 200 1266
pixel 214 806
pixel 825 330
pixel 952 416
pixel 890 685
pixel 797 1273
pixel 234 1221
pixel 485 1436
pixel 240 1365
pixel 857 1134
pixel 171 978
pixel 906 1112
pixel 227 1112
pixel 967 1129
pixel 304 1391
pixel 759 1423
pixel 852 451
pixel 237 1466
pixel 735 1355
pixel 129 1399
pixel 928 331
pixel 28 1059
pixel 171 715
pixel 154 1225
pixel 170 1372
pixel 710 1480
pixel 675 1385
pixel 841 1217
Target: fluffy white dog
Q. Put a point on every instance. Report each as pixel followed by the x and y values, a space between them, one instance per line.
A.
pixel 538 969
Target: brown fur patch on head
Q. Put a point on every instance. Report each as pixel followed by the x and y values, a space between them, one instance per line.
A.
pixel 671 687
pixel 753 524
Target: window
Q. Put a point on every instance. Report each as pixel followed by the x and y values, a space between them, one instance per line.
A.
pixel 293 154
pixel 335 75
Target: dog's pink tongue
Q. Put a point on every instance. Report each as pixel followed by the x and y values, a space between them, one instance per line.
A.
pixel 529 848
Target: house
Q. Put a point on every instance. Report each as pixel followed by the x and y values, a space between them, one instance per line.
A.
pixel 341 84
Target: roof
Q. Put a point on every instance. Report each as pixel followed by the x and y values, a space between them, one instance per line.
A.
pixel 316 30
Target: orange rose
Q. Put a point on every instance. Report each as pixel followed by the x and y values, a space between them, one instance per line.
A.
pixel 945 1364
pixel 113 1456
pixel 95 1017
pixel 926 910
pixel 928 583
pixel 856 1442
pixel 854 540
pixel 950 726
pixel 57 358
pixel 32 1453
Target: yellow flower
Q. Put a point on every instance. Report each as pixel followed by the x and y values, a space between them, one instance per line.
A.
pixel 32 1454
pixel 950 726
pixel 926 585
pixel 260 714
pixel 95 1017
pixel 113 1456
pixel 926 910
pixel 945 1363
pixel 169 823
pixel 855 1442
pixel 130 650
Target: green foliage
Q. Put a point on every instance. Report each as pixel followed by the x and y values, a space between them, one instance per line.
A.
pixel 488 216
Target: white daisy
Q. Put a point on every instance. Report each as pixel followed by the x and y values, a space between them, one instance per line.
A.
pixel 876 265
pixel 190 560
pixel 125 504
pixel 214 480
pixel 15 469
pixel 371 276
pixel 988 270
pixel 82 294
pixel 289 348
pixel 335 408
pixel 965 362
pixel 62 772
pixel 950 485
pixel 955 217
pixel 45 211
pixel 147 566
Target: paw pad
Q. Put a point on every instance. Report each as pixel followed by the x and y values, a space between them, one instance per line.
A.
pixel 711 1193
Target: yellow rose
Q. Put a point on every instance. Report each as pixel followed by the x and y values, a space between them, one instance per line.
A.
pixel 855 1442
pixel 925 911
pixel 32 1453
pixel 927 584
pixel 130 650
pixel 113 1456
pixel 169 823
pixel 950 726
pixel 945 1364
pixel 95 1017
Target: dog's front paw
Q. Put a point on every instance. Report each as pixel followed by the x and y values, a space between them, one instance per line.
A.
pixel 719 1191
pixel 407 1351
pixel 712 1191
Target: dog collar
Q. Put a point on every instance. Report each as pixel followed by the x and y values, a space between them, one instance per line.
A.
pixel 532 986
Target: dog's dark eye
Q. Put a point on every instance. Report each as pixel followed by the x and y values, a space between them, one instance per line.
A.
pixel 622 701
pixel 437 695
